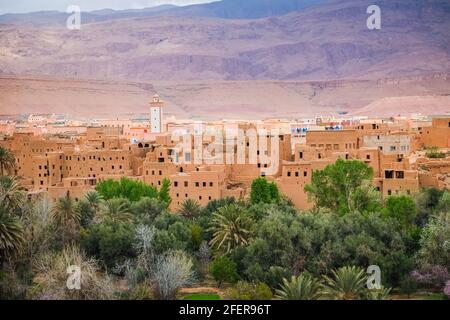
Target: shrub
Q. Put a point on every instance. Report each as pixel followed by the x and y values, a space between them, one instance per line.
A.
pixel 379 294
pixel 110 242
pixel 223 269
pixel 171 272
pixel 434 153
pixel 249 291
pixel 447 289
pixel 275 275
pixel 434 243
pixel 432 276
pixel 347 283
pixel 196 237
pixel 51 277
pixel 303 287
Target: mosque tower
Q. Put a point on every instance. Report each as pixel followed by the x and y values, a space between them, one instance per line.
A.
pixel 156 114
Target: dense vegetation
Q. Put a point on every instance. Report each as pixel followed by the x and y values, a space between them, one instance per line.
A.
pixel 129 246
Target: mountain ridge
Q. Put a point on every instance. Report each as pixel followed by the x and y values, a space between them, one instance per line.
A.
pixel 225 9
pixel 326 41
pixel 316 61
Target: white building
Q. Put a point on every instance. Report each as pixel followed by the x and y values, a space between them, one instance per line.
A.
pixel 156 115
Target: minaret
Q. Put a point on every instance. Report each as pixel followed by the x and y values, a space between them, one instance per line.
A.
pixel 156 115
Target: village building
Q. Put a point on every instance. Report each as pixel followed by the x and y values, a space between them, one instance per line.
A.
pixel 220 159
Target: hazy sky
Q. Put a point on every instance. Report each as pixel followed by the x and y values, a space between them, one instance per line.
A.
pixel 19 6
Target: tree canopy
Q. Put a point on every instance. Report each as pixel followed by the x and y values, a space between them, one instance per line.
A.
pixel 340 186
pixel 133 190
pixel 263 191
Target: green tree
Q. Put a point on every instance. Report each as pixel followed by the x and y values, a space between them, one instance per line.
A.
pixel 196 236
pixel 7 160
pixel 11 234
pixel 117 210
pixel 39 227
pixel 166 241
pixel 401 208
pixel 347 283
pixel 263 191
pixel 260 211
pixel 147 209
pixel 89 207
pixel 335 186
pixel 164 192
pixel 94 199
pixel 111 242
pixel 435 242
pixel 231 227
pixel 166 219
pixel 223 269
pixel 66 218
pixel 444 202
pixel 292 243
pixel 86 211
pixel 427 201
pixel 366 199
pixel 190 209
pixel 303 287
pixel 11 193
pixel 126 188
pixel 216 204
pixel 172 235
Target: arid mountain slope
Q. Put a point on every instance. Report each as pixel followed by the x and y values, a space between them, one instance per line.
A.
pixel 326 41
pixel 394 106
pixel 226 99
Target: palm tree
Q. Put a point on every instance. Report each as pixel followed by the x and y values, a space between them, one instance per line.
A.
pixel 65 212
pixel 11 193
pixel 11 234
pixel 7 160
pixel 87 212
pixel 231 227
pixel 116 210
pixel 190 209
pixel 66 217
pixel 348 283
pixel 303 287
pixel 94 199
pixel 89 207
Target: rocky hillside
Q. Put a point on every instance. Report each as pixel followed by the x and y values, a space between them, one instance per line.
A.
pixel 328 40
